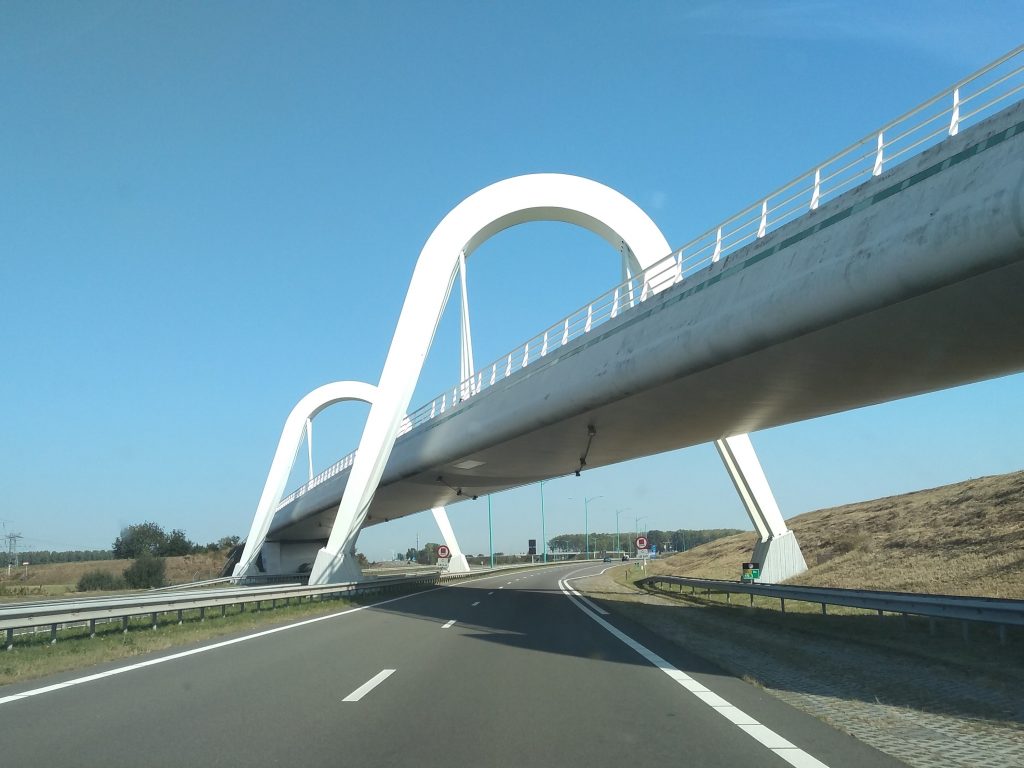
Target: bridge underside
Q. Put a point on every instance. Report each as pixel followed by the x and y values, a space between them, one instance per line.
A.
pixel 908 284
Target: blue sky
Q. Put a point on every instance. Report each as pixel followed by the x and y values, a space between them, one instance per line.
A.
pixel 209 209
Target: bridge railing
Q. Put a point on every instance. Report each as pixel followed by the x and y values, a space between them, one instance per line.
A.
pixel 966 102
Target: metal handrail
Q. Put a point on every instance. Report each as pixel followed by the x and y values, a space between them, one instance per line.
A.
pixel 858 162
pixel 992 610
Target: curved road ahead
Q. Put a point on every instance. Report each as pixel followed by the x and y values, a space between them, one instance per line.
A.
pixel 497 671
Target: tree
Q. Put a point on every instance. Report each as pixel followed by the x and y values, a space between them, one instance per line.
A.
pixel 176 544
pixel 410 554
pixel 139 538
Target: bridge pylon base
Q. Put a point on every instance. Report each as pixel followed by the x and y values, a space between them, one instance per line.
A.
pixel 780 558
pixel 458 564
pixel 329 568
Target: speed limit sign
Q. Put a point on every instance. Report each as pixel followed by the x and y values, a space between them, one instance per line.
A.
pixel 443 551
pixel 641 542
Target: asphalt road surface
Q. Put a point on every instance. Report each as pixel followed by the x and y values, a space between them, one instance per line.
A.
pixel 500 671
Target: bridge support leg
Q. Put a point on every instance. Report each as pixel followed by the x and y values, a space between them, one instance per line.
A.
pixel 777 550
pixel 457 563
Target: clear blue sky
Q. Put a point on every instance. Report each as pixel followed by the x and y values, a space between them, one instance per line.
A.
pixel 209 209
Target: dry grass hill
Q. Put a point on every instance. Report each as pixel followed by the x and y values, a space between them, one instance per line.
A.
pixel 960 539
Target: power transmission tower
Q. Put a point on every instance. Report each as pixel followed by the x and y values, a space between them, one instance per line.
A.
pixel 12 550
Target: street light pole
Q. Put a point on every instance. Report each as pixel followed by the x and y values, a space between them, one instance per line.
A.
pixel 618 512
pixel 543 525
pixel 490 530
pixel 586 521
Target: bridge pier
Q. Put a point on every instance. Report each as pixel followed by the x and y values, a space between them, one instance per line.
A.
pixel 458 562
pixel 777 550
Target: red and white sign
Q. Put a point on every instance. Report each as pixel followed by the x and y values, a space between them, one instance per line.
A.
pixel 641 542
pixel 443 551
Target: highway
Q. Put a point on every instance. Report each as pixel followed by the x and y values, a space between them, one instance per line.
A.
pixel 498 671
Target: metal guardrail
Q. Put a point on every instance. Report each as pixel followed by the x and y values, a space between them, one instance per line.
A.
pixel 991 610
pixel 966 102
pixel 57 614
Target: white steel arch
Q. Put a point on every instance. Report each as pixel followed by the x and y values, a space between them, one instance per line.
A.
pixel 284 458
pixel 536 197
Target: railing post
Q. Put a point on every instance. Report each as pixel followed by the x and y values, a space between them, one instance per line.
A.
pixel 877 170
pixel 526 354
pixel 615 303
pixel 494 372
pixel 508 366
pixel 544 346
pixel 816 195
pixel 764 219
pixel 718 249
pixel 954 120
pixel 590 319
pixel 565 332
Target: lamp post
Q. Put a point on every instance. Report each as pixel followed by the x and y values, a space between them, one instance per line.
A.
pixel 543 526
pixel 490 530
pixel 586 521
pixel 636 526
pixel 618 512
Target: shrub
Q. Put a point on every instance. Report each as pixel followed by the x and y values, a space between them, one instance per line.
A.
pixel 92 581
pixel 145 572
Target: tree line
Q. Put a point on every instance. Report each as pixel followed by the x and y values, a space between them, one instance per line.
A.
pixel 151 538
pixel 666 541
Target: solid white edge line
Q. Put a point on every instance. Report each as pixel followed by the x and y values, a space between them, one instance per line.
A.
pixel 369 685
pixel 593 606
pixel 445 626
pixel 761 733
pixel 203 649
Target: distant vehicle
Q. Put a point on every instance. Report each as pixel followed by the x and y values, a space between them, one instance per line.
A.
pixel 625 558
pixel 607 560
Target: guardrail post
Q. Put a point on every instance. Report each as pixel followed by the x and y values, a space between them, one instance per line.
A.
pixel 224 610
pixel 751 599
pixel 823 611
pixel 202 614
pixel 9 642
pixel 782 602
pixel 124 625
pixel 53 634
pixel 92 627
pixel 181 617
pixel 152 619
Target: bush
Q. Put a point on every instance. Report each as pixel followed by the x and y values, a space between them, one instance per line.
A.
pixel 146 572
pixel 92 581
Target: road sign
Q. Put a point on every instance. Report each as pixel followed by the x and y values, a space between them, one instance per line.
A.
pixel 443 551
pixel 641 542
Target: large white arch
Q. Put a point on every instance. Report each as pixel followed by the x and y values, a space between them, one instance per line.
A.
pixel 536 197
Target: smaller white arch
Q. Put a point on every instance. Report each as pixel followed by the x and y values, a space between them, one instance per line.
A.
pixel 284 458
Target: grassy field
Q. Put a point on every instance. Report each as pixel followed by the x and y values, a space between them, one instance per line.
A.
pixel 960 539
pixel 55 579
